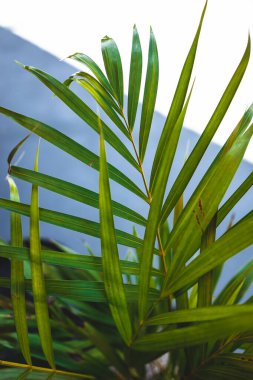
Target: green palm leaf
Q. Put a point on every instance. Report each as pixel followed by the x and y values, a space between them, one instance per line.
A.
pixel 149 97
pixel 86 291
pixel 71 147
pixel 38 282
pixel 201 209
pixel 202 314
pixel 17 279
pixel 113 281
pixel 177 105
pixel 75 192
pixel 206 137
pixel 87 61
pixel 113 67
pixel 98 86
pixel 82 110
pixel 71 260
pixel 104 100
pixel 111 318
pixel 134 78
pixel 233 241
pixel 193 335
pixel 235 198
pixel 154 218
pixel 237 286
pixel 71 222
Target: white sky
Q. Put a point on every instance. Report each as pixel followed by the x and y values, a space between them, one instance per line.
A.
pixel 64 27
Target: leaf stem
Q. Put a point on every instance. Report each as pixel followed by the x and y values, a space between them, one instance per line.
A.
pixel 42 369
pixel 162 253
pixel 141 169
pixel 149 195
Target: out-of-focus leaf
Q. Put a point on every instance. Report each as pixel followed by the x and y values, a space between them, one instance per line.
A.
pixel 102 344
pixel 228 366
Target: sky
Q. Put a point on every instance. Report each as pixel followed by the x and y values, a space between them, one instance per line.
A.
pixel 64 27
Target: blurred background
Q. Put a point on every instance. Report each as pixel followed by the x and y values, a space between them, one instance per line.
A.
pixel 44 34
pixel 65 27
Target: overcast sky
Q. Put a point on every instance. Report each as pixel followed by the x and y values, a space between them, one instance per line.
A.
pixel 64 27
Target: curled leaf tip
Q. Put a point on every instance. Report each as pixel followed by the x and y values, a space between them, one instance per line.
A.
pixel 14 151
pixel 105 38
pixel 20 64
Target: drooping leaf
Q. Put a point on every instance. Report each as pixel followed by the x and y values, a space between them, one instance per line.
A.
pixel 15 149
pixel 38 281
pixel 149 97
pixel 134 78
pixel 112 273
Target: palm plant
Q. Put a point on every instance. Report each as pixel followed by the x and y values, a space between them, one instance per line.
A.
pixel 153 314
